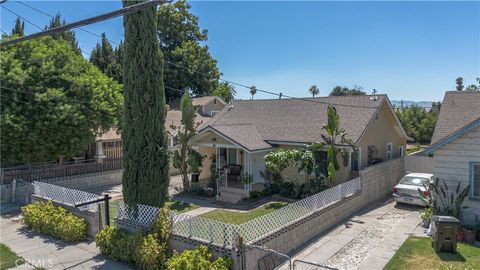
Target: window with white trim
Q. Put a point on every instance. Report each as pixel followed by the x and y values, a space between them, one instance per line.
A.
pixel 389 151
pixel 401 150
pixel 475 179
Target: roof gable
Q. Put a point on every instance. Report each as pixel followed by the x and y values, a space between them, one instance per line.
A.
pixel 458 109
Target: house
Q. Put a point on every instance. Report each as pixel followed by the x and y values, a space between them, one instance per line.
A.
pixel 247 130
pixel 109 143
pixel 455 146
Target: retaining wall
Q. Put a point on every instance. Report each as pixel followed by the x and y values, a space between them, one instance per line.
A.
pixel 83 182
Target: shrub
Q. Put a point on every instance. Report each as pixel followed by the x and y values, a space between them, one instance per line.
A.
pixel 146 251
pixel 56 221
pixel 198 259
pixel 254 194
pixel 118 244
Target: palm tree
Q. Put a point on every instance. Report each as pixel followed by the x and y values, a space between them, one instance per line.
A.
pixel 253 91
pixel 314 90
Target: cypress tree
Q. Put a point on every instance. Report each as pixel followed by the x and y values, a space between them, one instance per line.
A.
pixel 19 28
pixel 145 149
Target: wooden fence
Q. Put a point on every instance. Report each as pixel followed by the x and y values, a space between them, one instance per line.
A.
pixel 46 171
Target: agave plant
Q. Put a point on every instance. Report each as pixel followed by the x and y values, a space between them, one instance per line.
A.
pixel 442 201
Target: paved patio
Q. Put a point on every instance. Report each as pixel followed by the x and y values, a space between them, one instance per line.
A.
pixel 366 241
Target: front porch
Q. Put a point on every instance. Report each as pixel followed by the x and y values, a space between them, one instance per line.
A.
pixel 232 163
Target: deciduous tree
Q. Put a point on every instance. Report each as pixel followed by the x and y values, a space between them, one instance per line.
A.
pixel 53 100
pixel 345 91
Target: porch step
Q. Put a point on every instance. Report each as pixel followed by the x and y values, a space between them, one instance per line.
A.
pixel 230 197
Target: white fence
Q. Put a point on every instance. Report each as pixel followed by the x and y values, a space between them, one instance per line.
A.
pixel 225 234
pixel 419 164
pixel 66 196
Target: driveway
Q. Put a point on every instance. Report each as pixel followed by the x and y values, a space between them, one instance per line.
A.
pixel 366 241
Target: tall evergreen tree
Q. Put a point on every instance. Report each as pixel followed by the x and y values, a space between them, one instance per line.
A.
pixel 459 84
pixel 105 58
pixel 19 28
pixel 145 149
pixel 69 36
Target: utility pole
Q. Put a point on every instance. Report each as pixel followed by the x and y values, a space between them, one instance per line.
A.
pixel 91 20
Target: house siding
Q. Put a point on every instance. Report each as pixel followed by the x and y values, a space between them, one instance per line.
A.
pixel 211 106
pixel 451 163
pixel 380 132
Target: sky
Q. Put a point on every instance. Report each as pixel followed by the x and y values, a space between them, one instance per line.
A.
pixel 408 50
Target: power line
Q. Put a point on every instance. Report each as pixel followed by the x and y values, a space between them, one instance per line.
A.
pixel 51 16
pixel 36 25
pixel 5 33
pixel 95 19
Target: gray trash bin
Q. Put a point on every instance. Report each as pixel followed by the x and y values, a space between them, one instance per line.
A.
pixel 444 233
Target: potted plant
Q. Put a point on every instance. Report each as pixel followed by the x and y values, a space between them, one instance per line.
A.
pixel 425 216
pixel 246 179
pixel 469 232
pixel 195 160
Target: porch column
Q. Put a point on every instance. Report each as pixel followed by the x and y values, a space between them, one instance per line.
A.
pixel 99 156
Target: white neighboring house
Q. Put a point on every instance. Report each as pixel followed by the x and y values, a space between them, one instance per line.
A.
pixel 455 146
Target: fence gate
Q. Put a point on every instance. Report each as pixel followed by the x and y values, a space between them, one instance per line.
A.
pixel 303 265
pixel 263 258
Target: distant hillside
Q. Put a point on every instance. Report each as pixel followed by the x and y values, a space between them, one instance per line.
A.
pixel 424 104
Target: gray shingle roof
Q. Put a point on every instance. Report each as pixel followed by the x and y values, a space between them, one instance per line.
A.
pixel 255 123
pixel 458 110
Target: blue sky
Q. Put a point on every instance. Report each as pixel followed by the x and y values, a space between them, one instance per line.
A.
pixel 408 50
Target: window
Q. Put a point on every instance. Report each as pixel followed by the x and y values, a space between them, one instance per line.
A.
pixel 227 156
pixel 354 161
pixel 475 180
pixel 400 151
pixel 389 151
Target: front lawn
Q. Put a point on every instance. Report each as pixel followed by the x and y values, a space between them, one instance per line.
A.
pixel 418 253
pixel 179 207
pixel 8 258
pixel 235 217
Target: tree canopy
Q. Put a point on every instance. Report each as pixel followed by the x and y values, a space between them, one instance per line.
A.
pixel 418 123
pixel 19 28
pixel 108 59
pixel 181 41
pixel 226 91
pixel 345 91
pixel 68 36
pixel 53 101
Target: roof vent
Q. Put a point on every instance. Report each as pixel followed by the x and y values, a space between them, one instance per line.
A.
pixel 374 96
pixel 230 107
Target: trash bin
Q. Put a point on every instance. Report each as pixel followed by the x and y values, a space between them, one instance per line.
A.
pixel 444 233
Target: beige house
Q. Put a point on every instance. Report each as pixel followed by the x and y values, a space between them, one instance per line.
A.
pixel 109 143
pixel 247 130
pixel 455 146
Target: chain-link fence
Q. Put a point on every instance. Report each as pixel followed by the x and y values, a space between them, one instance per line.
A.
pixel 304 265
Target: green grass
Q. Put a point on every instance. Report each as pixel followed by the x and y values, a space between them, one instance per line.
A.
pixel 179 207
pixel 8 258
pixel 418 253
pixel 235 217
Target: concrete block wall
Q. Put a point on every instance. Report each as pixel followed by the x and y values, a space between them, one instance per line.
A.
pixel 377 182
pixel 81 182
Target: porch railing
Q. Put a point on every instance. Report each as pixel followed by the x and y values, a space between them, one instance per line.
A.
pixel 221 180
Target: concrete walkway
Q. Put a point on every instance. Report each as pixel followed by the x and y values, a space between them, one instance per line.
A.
pixel 49 253
pixel 366 241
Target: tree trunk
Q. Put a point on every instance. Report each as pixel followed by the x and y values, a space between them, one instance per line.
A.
pixel 146 160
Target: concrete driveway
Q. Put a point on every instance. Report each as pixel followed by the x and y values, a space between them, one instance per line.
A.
pixel 366 241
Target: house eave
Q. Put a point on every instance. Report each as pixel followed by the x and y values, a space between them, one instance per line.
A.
pixel 434 147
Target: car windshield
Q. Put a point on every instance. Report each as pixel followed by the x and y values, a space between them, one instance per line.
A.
pixel 414 180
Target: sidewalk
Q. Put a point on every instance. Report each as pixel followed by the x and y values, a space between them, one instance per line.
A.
pixel 366 241
pixel 50 253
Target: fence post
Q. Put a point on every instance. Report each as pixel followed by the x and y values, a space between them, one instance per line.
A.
pixel 190 227
pixel 210 230
pixel 107 208
pixel 14 187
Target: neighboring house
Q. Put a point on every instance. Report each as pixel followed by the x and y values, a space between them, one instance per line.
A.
pixel 245 131
pixel 455 145
pixel 109 144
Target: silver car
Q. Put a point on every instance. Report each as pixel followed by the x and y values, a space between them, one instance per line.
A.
pixel 406 191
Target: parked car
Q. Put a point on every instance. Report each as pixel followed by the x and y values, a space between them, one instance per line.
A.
pixel 406 191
